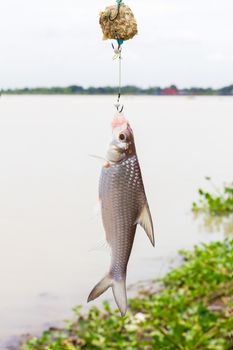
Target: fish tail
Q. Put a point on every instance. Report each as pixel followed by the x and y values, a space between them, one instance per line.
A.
pixel 100 288
pixel 119 292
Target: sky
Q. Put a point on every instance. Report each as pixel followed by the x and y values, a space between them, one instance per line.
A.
pixel 59 43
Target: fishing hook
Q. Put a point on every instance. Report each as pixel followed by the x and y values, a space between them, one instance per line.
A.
pixel 121 110
pixel 119 106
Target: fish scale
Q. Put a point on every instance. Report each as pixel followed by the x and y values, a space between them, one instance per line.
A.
pixel 122 197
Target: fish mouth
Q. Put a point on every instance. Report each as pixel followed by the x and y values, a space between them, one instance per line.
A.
pixel 121 125
pixel 119 122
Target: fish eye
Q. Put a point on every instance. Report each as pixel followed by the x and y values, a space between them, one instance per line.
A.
pixel 122 137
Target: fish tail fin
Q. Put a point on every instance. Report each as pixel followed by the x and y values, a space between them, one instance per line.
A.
pixel 100 288
pixel 119 292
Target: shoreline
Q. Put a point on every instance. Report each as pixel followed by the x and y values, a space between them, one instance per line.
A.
pixel 112 94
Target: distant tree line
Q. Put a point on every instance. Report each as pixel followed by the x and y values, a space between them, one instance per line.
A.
pixel 127 90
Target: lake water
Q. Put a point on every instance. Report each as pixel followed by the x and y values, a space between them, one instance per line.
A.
pixel 51 240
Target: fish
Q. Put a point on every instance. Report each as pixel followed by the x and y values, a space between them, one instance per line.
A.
pixel 124 205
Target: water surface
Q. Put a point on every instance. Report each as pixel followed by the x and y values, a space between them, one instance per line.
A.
pixel 51 240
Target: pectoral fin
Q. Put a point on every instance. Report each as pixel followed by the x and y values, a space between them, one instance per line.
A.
pixel 145 221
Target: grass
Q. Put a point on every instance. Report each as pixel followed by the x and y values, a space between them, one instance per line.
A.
pixel 219 203
pixel 192 311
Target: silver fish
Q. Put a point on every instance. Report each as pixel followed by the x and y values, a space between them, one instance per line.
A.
pixel 123 205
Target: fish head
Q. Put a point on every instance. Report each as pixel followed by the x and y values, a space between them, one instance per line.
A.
pixel 122 145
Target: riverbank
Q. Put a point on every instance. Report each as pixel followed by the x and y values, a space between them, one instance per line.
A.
pixel 126 90
pixel 190 308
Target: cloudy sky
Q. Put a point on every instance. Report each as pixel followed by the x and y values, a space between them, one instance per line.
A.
pixel 59 42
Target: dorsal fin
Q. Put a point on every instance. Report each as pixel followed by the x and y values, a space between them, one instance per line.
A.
pixel 145 221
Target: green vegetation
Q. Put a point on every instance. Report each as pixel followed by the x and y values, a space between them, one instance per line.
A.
pixel 127 90
pixel 191 310
pixel 218 203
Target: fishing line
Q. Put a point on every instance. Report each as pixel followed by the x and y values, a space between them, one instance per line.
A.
pixel 118 56
pixel 118 23
pixel 118 105
pixel 119 2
